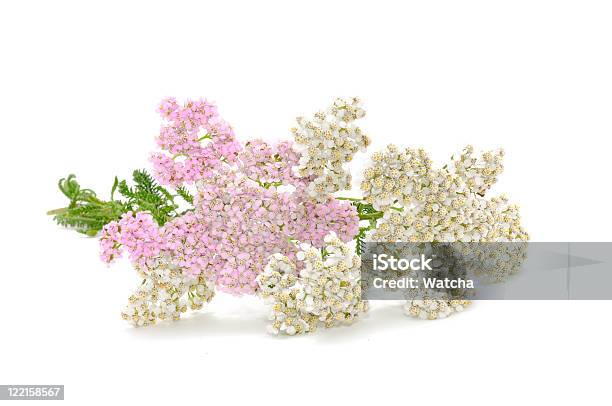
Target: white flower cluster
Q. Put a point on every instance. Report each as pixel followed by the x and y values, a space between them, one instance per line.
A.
pixel 421 203
pixel 325 144
pixel 279 286
pixel 164 294
pixel 480 173
pixel 431 309
pixel 493 262
pixel 390 176
pixel 425 204
pixel 327 289
pixel 424 302
pixel 394 175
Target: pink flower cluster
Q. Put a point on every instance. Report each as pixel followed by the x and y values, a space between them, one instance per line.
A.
pixel 240 216
pixel 198 140
pixel 270 164
pixel 137 233
pixel 313 221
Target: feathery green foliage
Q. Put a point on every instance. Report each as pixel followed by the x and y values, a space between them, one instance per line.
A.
pixel 147 195
pixel 184 193
pixel 87 214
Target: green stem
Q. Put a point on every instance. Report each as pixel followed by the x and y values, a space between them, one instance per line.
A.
pixel 371 216
pixel 57 211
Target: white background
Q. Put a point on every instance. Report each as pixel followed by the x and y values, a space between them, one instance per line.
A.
pixel 79 85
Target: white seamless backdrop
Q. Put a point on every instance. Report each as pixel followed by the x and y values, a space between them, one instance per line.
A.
pixel 80 82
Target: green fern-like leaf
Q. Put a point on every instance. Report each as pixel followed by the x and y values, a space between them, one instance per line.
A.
pixel 86 213
pixel 184 193
pixel 147 195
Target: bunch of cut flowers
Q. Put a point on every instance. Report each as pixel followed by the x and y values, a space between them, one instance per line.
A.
pixel 264 218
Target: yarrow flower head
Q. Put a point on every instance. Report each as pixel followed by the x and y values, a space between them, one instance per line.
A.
pixel 165 293
pixel 270 165
pixel 197 139
pixel 422 203
pixel 325 143
pixel 137 233
pixel 326 290
pixel 426 204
